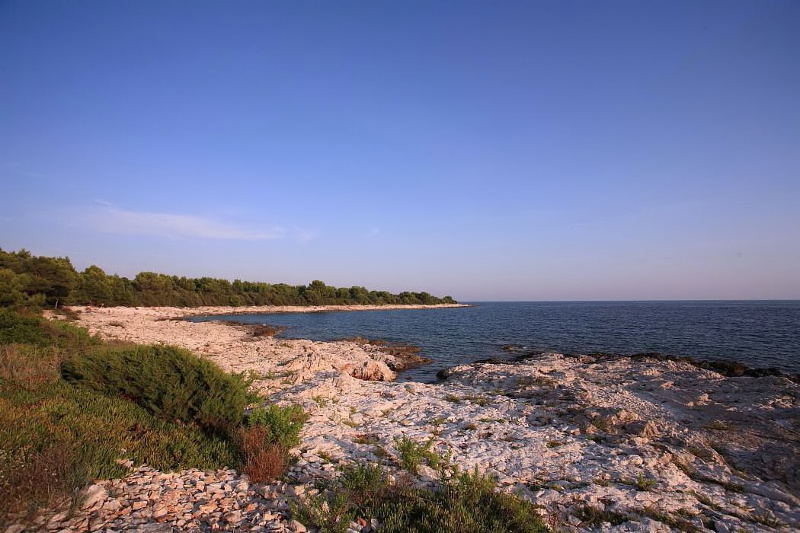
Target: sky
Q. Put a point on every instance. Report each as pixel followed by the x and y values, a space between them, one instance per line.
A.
pixel 516 150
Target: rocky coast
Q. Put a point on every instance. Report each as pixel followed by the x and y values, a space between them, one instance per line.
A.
pixel 599 443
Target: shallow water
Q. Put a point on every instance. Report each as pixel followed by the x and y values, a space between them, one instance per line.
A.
pixel 758 334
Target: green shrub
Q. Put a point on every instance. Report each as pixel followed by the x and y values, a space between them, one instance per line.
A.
pixel 281 423
pixel 24 328
pixel 465 502
pixel 155 405
pixel 365 485
pixel 358 491
pixel 168 381
pixel 265 438
pixel 413 453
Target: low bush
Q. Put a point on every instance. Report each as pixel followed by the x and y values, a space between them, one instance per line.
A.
pixel 21 328
pixel 266 437
pixel 464 502
pixel 261 459
pixel 282 424
pixel 24 328
pixel 168 381
pixel 413 453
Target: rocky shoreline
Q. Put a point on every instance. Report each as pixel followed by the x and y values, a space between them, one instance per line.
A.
pixel 599 443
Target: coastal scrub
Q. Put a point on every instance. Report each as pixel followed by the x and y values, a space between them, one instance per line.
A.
pixel 465 501
pixel 73 409
pixel 167 381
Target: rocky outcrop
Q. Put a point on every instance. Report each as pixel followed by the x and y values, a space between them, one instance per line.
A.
pixel 644 445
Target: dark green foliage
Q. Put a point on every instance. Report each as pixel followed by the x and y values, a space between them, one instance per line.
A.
pixel 413 453
pixel 56 437
pixel 282 423
pixel 465 502
pixel 23 328
pixel 27 280
pixel 365 486
pixel 12 288
pixel 51 277
pixel 167 381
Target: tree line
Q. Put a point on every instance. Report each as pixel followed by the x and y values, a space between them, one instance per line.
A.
pixel 27 280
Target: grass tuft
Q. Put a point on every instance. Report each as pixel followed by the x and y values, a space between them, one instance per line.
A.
pixel 413 453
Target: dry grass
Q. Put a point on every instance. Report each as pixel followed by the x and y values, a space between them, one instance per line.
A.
pixel 30 475
pixel 263 460
pixel 29 367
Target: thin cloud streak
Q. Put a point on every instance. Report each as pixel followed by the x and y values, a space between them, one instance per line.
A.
pixel 110 219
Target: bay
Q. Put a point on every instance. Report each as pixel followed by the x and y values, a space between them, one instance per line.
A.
pixel 759 334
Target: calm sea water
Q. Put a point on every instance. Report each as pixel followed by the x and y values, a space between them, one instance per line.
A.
pixel 758 334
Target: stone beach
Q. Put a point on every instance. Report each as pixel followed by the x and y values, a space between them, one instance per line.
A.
pixel 598 442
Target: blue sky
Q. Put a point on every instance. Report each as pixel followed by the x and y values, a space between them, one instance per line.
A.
pixel 487 150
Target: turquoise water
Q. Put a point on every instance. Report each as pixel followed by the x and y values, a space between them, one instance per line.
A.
pixel 758 334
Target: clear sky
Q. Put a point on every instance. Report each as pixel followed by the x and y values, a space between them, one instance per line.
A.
pixel 487 150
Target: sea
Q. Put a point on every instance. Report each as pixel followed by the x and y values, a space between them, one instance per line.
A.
pixel 759 334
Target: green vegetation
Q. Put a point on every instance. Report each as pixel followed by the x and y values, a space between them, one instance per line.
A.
pixel 266 437
pixel 592 516
pixel 641 482
pixel 283 424
pixel 157 405
pixel 462 502
pixel 167 381
pixel 74 409
pixel 31 281
pixel 30 329
pixel 413 453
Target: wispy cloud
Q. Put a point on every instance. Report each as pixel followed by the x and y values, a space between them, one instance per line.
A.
pixel 305 234
pixel 111 219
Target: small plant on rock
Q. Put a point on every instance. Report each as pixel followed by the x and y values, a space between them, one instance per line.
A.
pixel 452 398
pixel 641 482
pixel 283 423
pixel 266 437
pixel 412 454
pixel 595 517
